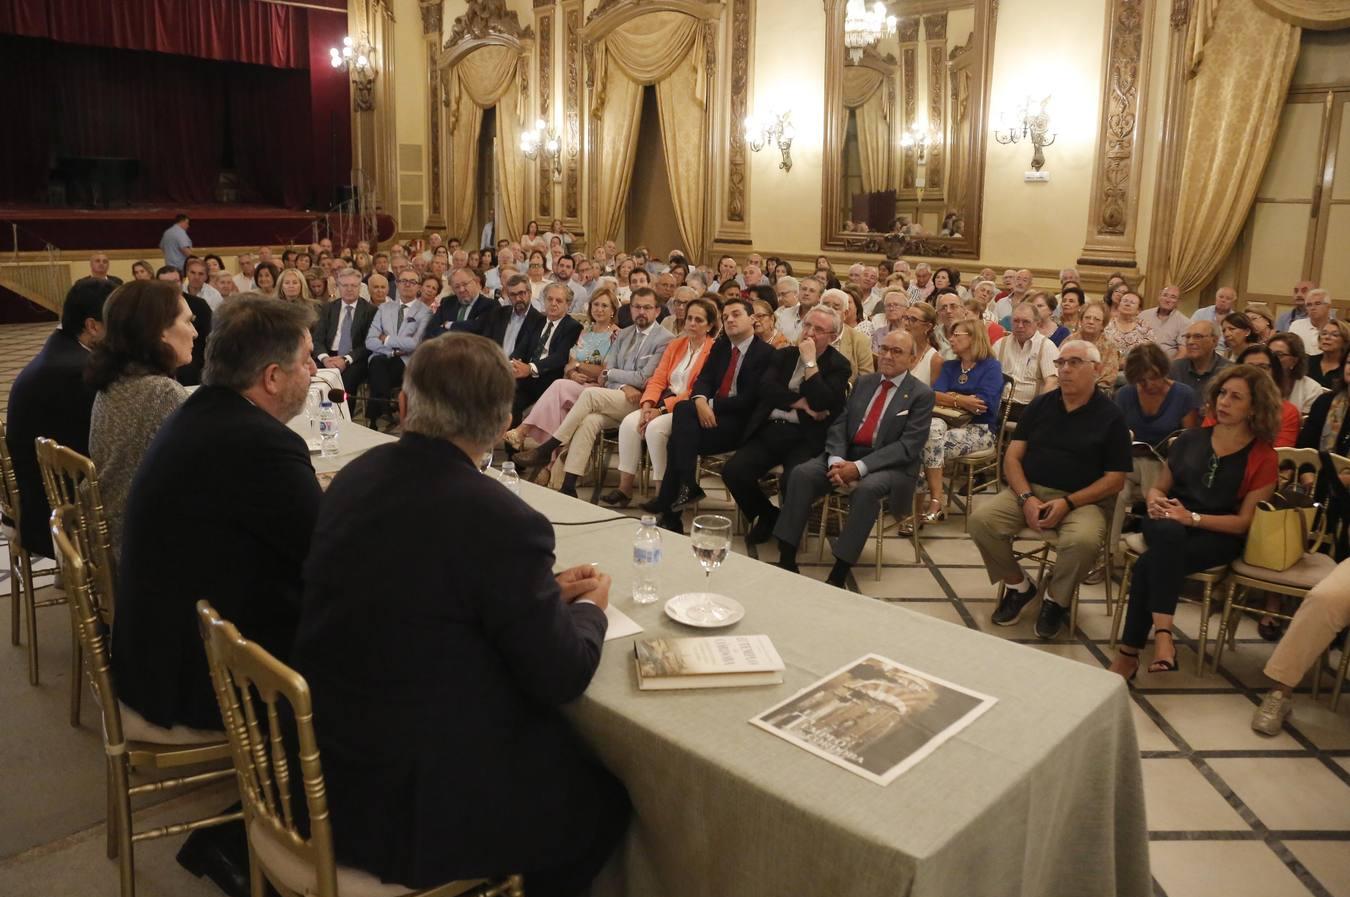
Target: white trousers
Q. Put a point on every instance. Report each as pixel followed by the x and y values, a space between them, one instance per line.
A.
pixel 630 443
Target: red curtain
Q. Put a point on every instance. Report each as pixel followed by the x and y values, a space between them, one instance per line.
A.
pixel 226 30
pixel 184 119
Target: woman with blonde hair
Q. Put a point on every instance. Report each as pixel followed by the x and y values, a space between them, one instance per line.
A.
pixel 919 320
pixel 1092 329
pixel 291 287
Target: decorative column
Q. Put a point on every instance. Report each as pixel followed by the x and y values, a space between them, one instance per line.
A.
pixel 1173 135
pixel 543 26
pixel 908 34
pixel 573 138
pixel 1114 212
pixel 431 34
pixel 733 103
pixel 935 35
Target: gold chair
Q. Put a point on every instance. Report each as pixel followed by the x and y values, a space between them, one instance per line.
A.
pixel 1049 541
pixel 22 577
pixel 125 756
pixel 837 503
pixel 70 479
pixel 987 461
pixel 1295 582
pixel 297 866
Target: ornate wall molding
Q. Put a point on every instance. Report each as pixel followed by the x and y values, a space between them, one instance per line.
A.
pixel 935 32
pixel 741 28
pixel 435 218
pixel 909 74
pixel 572 118
pixel 432 17
pixel 543 23
pixel 485 18
pixel 907 30
pixel 1114 210
pixel 935 27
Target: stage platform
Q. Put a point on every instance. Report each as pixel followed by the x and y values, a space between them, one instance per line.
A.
pixel 140 227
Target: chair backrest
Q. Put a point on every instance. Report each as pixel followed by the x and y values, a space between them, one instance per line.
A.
pixel 71 479
pixel 244 676
pixel 90 626
pixel 1292 462
pixel 9 487
pixel 1005 404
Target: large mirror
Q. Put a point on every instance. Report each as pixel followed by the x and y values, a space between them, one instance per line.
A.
pixel 905 128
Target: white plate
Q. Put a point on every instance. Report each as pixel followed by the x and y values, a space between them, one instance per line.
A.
pixel 677 609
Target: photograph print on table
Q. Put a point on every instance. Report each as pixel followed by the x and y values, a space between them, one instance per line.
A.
pixel 874 717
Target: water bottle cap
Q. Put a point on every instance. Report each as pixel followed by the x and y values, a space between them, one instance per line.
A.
pixel 649 520
pixel 508 465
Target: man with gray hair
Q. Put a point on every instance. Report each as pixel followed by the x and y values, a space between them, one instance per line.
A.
pixel 1065 465
pixel 922 287
pixel 1309 329
pixel 243 281
pixel 484 608
pixel 788 315
pixel 221 510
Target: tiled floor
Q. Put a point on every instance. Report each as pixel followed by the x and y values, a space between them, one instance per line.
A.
pixel 1230 813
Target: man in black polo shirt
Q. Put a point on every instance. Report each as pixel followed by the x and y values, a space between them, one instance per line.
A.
pixel 1070 452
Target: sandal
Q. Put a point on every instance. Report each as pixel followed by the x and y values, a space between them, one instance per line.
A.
pixel 1161 665
pixel 1270 629
pixel 1123 653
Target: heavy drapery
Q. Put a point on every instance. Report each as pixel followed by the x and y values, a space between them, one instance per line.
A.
pixel 864 92
pixel 1317 15
pixel 484 78
pixel 665 49
pixel 224 30
pixel 1243 58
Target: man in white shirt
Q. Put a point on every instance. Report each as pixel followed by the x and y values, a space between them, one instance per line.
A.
pixel 1309 329
pixel 196 284
pixel 433 243
pixel 753 277
pixel 562 273
pixel 867 282
pixel 726 270
pixel 243 281
pixel 923 285
pixel 1028 356
pixel 1225 300
pixel 788 315
pixel 1003 307
pixel 1166 322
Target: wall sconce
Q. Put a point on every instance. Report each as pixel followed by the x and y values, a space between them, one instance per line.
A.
pixel 358 58
pixel 920 141
pixel 777 129
pixel 1025 123
pixel 543 139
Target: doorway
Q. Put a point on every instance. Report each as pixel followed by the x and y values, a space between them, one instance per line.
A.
pixel 649 216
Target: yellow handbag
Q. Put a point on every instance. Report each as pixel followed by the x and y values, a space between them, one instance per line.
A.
pixel 1277 538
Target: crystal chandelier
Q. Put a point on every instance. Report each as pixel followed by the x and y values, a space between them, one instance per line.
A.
pixel 863 27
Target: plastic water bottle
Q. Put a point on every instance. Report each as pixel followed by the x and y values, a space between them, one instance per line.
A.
pixel 328 429
pixel 509 478
pixel 646 562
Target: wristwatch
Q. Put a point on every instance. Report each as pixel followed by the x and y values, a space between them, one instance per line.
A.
pixel 1023 496
pixel 1195 519
pixel 809 364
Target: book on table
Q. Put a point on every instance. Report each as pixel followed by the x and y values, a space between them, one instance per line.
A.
pixel 716 662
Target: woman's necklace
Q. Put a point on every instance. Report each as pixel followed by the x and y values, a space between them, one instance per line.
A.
pixel 965 373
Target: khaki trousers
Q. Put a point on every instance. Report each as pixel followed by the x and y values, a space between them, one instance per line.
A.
pixel 996 522
pixel 1324 612
pixel 596 408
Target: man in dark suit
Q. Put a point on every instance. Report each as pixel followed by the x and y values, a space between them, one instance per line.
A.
pixel 222 508
pixel 874 448
pixel 469 302
pixel 190 374
pixel 543 360
pixel 465 652
pixel 49 398
pixel 713 421
pixel 340 332
pixel 799 396
pixel 514 326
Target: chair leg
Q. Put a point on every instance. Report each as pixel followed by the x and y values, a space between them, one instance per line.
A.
pixel 121 817
pixel 13 597
pixel 1107 582
pixel 1120 603
pixel 1226 624
pixel 1205 598
pixel 76 677
pixel 30 608
pixel 1340 678
pixel 880 528
pixel 970 496
pixel 1073 612
pixel 820 534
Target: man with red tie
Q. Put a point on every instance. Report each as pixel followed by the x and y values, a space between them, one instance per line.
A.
pixel 873 449
pixel 713 420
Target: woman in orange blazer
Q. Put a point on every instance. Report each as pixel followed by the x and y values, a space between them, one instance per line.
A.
pixel 668 386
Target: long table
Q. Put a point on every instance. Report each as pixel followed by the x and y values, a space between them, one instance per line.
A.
pixel 1042 795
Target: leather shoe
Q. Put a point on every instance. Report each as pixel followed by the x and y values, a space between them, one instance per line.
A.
pixel 1051 619
pixel 212 854
pixel 688 497
pixel 616 499
pixel 671 523
pixel 654 505
pixel 763 528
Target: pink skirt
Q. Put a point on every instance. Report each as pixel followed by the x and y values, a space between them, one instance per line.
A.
pixel 548 413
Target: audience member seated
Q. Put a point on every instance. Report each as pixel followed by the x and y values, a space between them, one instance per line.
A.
pixel 1066 463
pixel 1125 329
pixel 1165 322
pixel 633 359
pixel 766 323
pixel 537 364
pixel 801 392
pixel 265 276
pixel 891 318
pixel 1092 329
pixel 1333 348
pixel 197 284
pixel 1028 356
pixel 1237 335
pixel 190 373
pixel 1299 388
pixel 918 321
pixel 466 286
pixel 669 387
pixel 51 399
pixel 222 510
pixel 148 335
pixel 1263 324
pixel 713 421
pixel 292 287
pixel 1154 405
pixel 1225 303
pixel 872 452
pixel 853 345
pixel 1327 429
pixel 467 643
pixel 341 329
pixel 1071 302
pixel 1317 307
pixel 969 387
pixel 949 312
pixel 677 304
pixel 1199 362
pixel 394 333
pixel 1200 507
pixel 1299 296
pixel 1046 326
pixel 976 310
pixel 1261 358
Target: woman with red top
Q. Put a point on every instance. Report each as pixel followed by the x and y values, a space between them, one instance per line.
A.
pixel 1200 507
pixel 672 383
pixel 1258 356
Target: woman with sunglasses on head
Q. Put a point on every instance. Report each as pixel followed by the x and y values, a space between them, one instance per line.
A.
pixel 1298 388
pixel 1200 508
